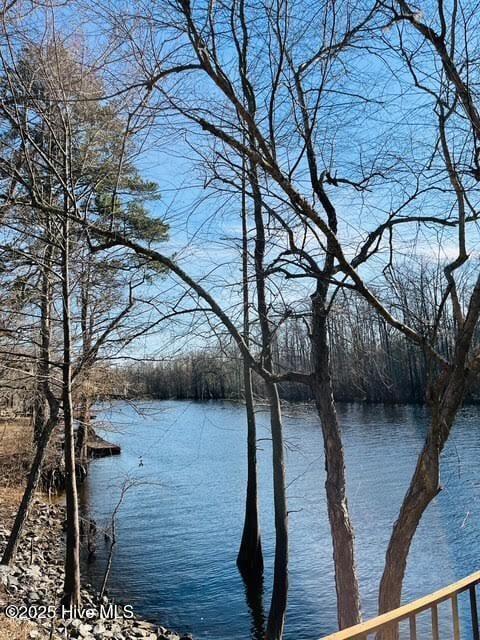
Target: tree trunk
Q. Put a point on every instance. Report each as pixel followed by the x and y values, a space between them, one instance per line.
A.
pixel 106 575
pixel 40 411
pixel 424 486
pixel 46 406
pixel 250 558
pixel 43 397
pixel 83 430
pixel 278 606
pixel 71 587
pixel 343 539
pixel 86 328
pixel 29 493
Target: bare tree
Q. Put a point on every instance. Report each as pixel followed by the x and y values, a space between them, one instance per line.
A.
pixel 207 34
pixel 60 143
pixel 250 557
pixel 273 81
pixel 443 75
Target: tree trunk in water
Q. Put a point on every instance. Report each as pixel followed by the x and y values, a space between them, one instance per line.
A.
pixel 278 606
pixel 29 493
pixel 250 558
pixel 343 538
pixel 424 486
pixel 71 586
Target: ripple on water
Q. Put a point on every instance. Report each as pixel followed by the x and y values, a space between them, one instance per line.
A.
pixel 178 532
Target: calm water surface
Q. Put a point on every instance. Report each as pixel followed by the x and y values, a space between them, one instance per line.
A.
pixel 178 532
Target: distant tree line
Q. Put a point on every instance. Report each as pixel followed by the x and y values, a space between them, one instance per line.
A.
pixel 371 362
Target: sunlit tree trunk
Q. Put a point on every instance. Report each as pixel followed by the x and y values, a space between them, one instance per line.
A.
pixel 424 486
pixel 343 539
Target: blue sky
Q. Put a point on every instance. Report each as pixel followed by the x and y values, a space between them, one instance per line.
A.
pixel 388 124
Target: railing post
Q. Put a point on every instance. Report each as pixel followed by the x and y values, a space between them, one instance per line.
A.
pixel 413 628
pixel 386 625
pixel 435 634
pixel 456 620
pixel 474 612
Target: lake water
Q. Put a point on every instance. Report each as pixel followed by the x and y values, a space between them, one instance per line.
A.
pixel 179 529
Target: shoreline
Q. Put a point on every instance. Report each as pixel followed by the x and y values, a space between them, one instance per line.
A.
pixel 30 591
pixel 33 583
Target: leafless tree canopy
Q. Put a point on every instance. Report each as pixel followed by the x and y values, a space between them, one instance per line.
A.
pixel 313 234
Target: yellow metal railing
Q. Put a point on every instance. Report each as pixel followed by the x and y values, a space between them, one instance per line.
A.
pixel 386 626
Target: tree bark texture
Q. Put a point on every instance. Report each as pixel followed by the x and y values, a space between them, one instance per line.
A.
pixel 343 538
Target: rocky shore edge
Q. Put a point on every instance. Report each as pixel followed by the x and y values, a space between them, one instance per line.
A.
pixel 31 589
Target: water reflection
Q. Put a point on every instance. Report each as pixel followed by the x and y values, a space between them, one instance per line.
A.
pixel 254 599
